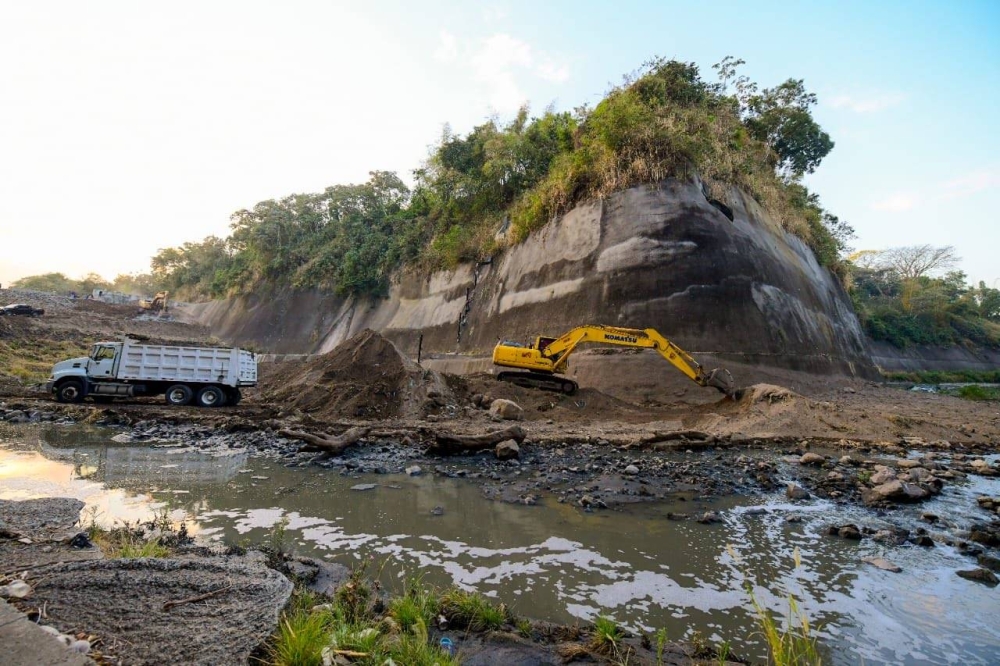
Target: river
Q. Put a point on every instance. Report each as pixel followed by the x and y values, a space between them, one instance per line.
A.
pixel 552 561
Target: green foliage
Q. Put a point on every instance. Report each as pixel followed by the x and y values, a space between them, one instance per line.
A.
pixel 979 393
pixel 924 310
pixel 140 284
pixel 503 180
pixel 472 610
pixel 939 377
pixel 419 605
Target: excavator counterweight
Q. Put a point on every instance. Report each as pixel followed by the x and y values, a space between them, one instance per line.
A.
pixel 545 360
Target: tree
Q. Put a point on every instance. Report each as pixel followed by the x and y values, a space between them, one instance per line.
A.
pixel 53 282
pixel 780 117
pixel 915 261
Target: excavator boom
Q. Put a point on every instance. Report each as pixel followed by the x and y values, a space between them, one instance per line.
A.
pixel 546 359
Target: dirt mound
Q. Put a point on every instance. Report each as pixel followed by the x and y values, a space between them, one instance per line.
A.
pixel 765 394
pixel 363 377
pixel 147 610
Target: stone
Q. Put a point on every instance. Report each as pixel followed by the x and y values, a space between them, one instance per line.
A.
pixel 414 470
pixel 364 486
pixel 984 576
pixel 989 562
pixel 882 476
pixel 811 459
pixel 847 460
pixel 81 646
pixel 849 532
pixel 929 517
pixel 883 564
pixel 906 463
pixel 924 540
pixel 834 476
pixel 631 470
pixel 709 517
pixel 508 450
pixel 17 589
pixel 507 410
pixel 796 492
pixel 437 511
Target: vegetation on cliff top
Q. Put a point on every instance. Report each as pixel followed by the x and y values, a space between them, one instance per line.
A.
pixel 494 186
pixel 911 295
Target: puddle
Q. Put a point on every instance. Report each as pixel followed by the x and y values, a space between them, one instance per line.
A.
pixel 552 561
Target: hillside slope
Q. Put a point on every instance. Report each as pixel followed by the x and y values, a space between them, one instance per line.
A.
pixel 651 256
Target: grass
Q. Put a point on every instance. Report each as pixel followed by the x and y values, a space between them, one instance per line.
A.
pixel 31 359
pixel 471 610
pixel 128 541
pixel 354 630
pixel 979 393
pixel 939 377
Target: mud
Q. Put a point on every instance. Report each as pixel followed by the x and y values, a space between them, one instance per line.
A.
pixel 366 378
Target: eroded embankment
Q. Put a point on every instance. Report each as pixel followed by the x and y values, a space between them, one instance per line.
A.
pixel 730 290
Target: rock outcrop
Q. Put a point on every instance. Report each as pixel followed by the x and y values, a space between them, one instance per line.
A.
pixel 739 289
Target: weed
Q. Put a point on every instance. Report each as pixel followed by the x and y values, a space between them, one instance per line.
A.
pixel 302 635
pixel 979 393
pixel 418 604
pixel 472 610
pixel 524 628
pixel 865 475
pixel 661 643
pixel 276 538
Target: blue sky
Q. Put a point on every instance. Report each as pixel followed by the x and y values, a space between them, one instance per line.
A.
pixel 149 125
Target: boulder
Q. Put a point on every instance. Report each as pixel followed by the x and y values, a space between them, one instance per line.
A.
pixel 631 470
pixel 508 450
pixel 989 562
pixel 906 463
pixel 507 410
pixel 883 564
pixel 984 576
pixel 796 492
pixel 811 459
pixel 882 475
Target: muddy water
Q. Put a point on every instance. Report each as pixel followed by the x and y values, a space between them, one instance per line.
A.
pixel 552 561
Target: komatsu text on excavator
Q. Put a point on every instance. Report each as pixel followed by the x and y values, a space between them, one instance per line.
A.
pixel 546 359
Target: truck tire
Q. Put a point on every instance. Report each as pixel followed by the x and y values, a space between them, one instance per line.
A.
pixel 233 397
pixel 211 396
pixel 179 394
pixel 70 391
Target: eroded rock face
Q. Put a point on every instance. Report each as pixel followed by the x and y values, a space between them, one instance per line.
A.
pixel 142 605
pixel 652 256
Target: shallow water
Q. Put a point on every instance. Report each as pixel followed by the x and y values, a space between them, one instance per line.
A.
pixel 552 561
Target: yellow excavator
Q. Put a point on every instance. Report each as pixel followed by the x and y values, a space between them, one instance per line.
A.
pixel 158 304
pixel 546 359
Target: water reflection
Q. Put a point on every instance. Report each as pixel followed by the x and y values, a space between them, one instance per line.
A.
pixel 553 561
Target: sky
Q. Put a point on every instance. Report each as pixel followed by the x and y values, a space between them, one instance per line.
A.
pixel 126 127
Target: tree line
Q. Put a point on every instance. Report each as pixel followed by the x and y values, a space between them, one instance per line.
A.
pixel 492 187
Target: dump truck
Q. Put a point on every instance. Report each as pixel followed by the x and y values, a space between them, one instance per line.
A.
pixel 205 376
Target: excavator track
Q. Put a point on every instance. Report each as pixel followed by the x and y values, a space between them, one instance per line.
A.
pixel 539 380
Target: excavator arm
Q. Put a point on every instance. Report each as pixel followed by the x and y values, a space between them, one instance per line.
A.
pixel 549 356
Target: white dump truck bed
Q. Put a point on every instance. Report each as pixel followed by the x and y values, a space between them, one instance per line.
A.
pixel 226 366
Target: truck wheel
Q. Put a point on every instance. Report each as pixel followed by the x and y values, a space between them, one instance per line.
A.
pixel 234 396
pixel 179 394
pixel 211 396
pixel 70 391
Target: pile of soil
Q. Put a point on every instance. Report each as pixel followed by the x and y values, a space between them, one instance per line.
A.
pixel 364 377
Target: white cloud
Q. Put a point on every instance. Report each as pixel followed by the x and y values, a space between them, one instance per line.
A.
pixel 897 203
pixel 971 183
pixel 495 13
pixel 501 58
pixel 447 50
pixel 867 103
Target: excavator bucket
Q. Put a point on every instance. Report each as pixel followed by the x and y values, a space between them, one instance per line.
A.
pixel 721 379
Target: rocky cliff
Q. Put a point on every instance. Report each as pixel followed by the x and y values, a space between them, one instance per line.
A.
pixel 720 280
